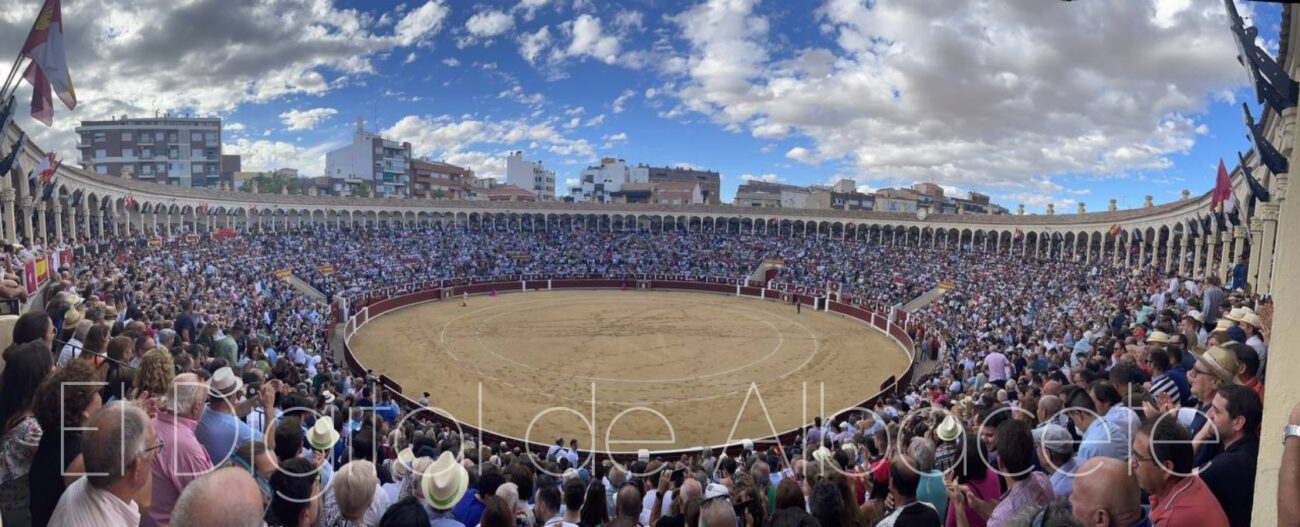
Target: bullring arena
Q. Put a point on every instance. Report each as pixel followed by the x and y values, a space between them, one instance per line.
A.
pixel 689 357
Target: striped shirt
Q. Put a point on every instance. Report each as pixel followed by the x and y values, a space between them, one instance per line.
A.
pixel 1163 384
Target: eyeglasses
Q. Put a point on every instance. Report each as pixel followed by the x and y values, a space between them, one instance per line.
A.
pixel 157 446
pixel 1196 372
pixel 1138 460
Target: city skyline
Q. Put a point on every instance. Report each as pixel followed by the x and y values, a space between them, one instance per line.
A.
pixel 749 89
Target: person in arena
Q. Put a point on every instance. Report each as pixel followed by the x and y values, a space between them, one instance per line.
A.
pixel 1161 462
pixel 1235 415
pixel 20 431
pixel 181 459
pixel 226 497
pixel 1106 495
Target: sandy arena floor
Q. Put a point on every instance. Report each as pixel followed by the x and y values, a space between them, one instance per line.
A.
pixel 690 357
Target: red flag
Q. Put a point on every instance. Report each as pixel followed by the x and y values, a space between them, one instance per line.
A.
pixel 48 174
pixel 1222 188
pixel 48 71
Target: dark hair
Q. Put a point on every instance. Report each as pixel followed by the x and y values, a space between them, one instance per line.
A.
pixel 826 504
pixel 496 513
pixel 549 496
pixel 292 486
pixel 594 511
pixel 789 495
pixel 902 477
pixel 522 477
pixel 1015 445
pixel 1076 398
pixel 488 481
pixel 992 418
pixel 727 465
pixel 1158 359
pixel 64 396
pixel 1243 402
pixel 95 338
pixel 288 438
pixel 574 494
pixel 1246 355
pixel 27 366
pixel 1169 442
pixel 31 326
pixel 1105 392
pixel 408 511
pixel 1124 373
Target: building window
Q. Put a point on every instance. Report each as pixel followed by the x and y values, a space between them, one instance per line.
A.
pixel 100 153
pixel 196 137
pixel 146 169
pixel 158 136
pixel 100 137
pixel 127 136
pixel 196 169
pixel 101 169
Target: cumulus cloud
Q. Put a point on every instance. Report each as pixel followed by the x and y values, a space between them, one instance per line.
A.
pixel 305 119
pixel 485 25
pixel 516 93
pixel 132 57
pixel 447 137
pixel 622 100
pixel 267 155
pixel 765 178
pixel 531 45
pixel 588 40
pixel 978 94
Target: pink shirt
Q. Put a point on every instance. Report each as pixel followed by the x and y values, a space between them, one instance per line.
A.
pixel 996 366
pixel 181 460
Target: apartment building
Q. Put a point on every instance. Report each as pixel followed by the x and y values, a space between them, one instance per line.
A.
pixel 175 150
pixel 384 165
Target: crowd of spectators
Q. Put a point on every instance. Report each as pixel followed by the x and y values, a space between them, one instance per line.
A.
pixel 188 384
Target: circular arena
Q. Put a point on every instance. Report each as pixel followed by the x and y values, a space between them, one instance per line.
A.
pixel 643 369
pixel 460 352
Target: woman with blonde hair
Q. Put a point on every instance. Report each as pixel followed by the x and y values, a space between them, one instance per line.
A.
pixel 157 369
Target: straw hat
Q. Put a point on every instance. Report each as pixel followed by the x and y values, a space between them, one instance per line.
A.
pixel 1158 336
pixel 949 429
pixel 444 483
pixel 225 383
pixel 1235 314
pixel 71 317
pixel 322 435
pixel 1221 362
pixel 402 465
pixel 1223 324
pixel 327 396
pixel 1196 315
pixel 1253 320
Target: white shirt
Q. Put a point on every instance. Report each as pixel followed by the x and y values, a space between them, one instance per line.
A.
pixel 648 503
pixel 70 351
pixel 83 504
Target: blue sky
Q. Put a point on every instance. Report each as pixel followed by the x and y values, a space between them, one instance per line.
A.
pixel 1028 100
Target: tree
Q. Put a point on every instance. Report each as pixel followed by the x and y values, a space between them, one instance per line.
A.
pixel 439 194
pixel 272 183
pixel 361 190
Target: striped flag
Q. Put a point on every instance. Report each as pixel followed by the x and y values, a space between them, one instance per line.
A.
pixel 48 71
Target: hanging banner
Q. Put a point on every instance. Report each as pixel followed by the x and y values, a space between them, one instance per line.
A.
pixel 65 257
pixel 29 276
pixel 191 238
pixel 282 273
pixel 42 269
pixel 325 269
pixel 155 242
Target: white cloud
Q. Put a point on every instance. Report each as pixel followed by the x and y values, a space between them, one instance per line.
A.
pixel 530 7
pixel 611 138
pixel 595 121
pixel 573 123
pixel 572 182
pixel 977 94
pixel 577 110
pixel 410 57
pixel 306 119
pixel 421 22
pixel 266 155
pixel 451 138
pixel 516 93
pixel 766 178
pixel 451 62
pixel 629 20
pixel 233 127
pixel 531 45
pixel 588 39
pixel 622 99
pixel 486 25
pixel 203 57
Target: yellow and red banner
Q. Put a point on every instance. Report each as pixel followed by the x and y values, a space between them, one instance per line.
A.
pixel 155 242
pixel 282 273
pixel 42 269
pixel 325 269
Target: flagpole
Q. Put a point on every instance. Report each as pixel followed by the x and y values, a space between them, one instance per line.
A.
pixel 6 90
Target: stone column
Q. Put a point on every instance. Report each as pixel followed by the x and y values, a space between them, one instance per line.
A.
pixel 1225 251
pixel 27 217
pixel 167 223
pixel 58 219
pixel 1143 251
pixel 7 197
pixel 1169 252
pixel 1197 259
pixel 1266 248
pixel 41 227
pixel 1182 254
pixel 85 218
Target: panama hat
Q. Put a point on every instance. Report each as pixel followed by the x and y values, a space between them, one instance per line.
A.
pixel 444 483
pixel 1158 336
pixel 1054 437
pixel 402 465
pixel 1223 324
pixel 1235 314
pixel 71 317
pixel 322 435
pixel 225 383
pixel 949 429
pixel 1221 362
pixel 1253 320
pixel 1196 315
pixel 327 396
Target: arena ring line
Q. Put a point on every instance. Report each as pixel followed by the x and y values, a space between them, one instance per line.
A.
pixel 737 401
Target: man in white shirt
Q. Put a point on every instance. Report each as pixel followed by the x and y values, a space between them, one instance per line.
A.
pixel 118 452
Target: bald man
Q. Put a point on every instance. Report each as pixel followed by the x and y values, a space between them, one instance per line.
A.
pixel 628 503
pixel 717 513
pixel 228 497
pixel 1105 495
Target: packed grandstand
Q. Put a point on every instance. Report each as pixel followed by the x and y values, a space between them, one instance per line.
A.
pixel 1015 342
